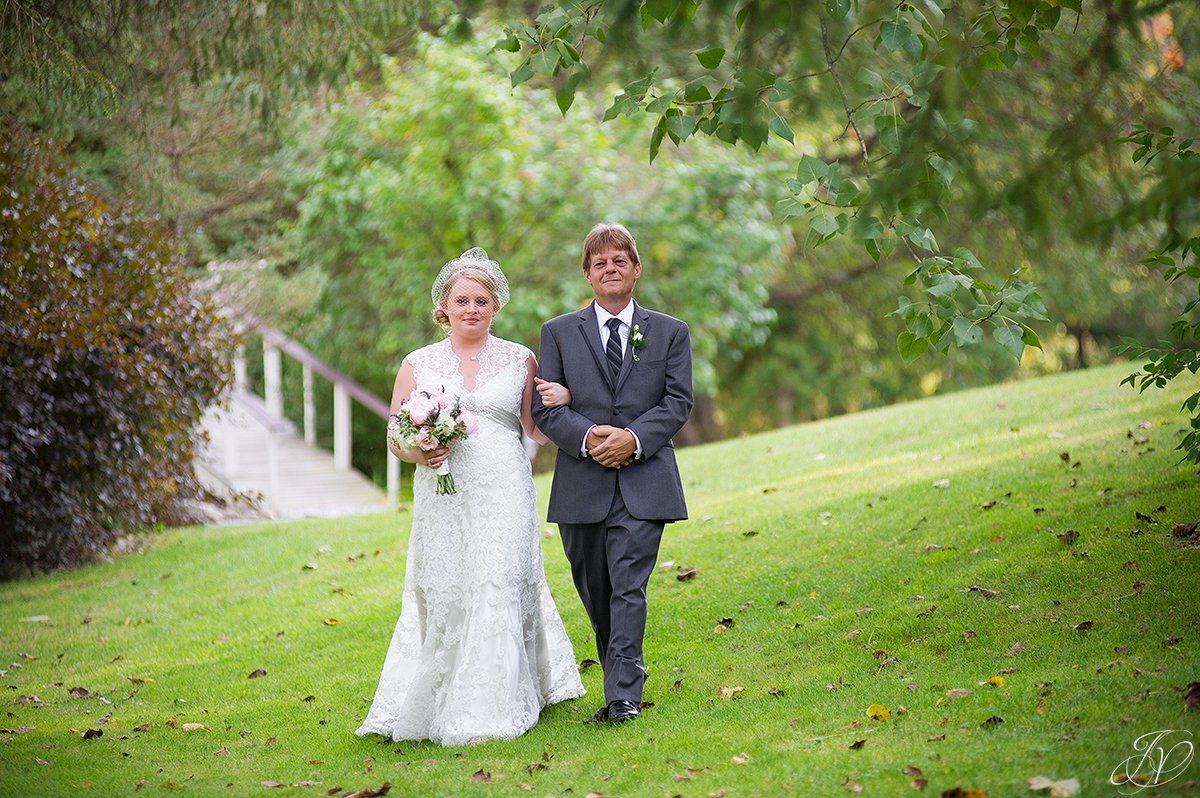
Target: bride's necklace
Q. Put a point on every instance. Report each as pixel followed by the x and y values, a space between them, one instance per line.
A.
pixel 473 358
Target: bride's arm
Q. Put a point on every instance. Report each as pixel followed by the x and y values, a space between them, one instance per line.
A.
pixel 405 384
pixel 526 402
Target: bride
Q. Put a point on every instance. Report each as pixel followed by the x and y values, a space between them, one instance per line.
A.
pixel 479 648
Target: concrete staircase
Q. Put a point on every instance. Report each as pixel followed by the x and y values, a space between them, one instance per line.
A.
pixel 263 467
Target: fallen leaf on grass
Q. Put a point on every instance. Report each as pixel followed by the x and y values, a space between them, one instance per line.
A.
pixel 983 591
pixel 857 744
pixel 729 692
pixel 740 759
pixel 959 792
pixel 1068 537
pixel 1015 649
pixel 969 634
pixel 992 722
pixel 140 679
pixel 995 681
pixel 852 786
pixel 481 776
pixel 937 738
pixel 1191 696
pixel 911 770
pixel 256 674
pixel 189 727
pixel 918 784
pixel 686 572
pixel 81 692
pixel 958 692
pixel 878 712
pixel 532 766
pixel 1083 626
pixel 1058 789
pixel 221 751
pixel 92 733
pixel 1144 517
pixel 587 663
pixel 330 621
pixel 371 792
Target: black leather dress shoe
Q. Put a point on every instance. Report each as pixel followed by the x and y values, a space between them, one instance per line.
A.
pixel 620 711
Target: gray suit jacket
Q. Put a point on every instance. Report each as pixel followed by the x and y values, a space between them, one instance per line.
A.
pixel 651 396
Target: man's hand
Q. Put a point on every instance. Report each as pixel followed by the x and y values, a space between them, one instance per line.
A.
pixel 615 450
pixel 597 435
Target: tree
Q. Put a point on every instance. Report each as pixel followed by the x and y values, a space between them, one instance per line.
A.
pixel 896 99
pixel 110 358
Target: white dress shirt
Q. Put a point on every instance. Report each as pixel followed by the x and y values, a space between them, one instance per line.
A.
pixel 626 317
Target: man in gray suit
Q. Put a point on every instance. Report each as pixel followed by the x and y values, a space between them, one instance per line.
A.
pixel 615 480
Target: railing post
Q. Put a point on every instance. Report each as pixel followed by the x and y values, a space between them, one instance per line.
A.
pixel 310 425
pixel 341 428
pixel 393 479
pixel 273 379
pixel 239 368
pixel 272 474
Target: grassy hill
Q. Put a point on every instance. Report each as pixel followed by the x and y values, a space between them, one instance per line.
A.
pixel 896 557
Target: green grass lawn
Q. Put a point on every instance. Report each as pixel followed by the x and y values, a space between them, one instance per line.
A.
pixel 844 551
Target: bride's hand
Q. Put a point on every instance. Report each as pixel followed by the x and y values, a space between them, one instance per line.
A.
pixel 436 457
pixel 553 394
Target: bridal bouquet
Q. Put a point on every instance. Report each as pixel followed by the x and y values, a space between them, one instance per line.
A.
pixel 430 418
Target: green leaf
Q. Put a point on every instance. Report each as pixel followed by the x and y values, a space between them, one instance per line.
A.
pixel 837 9
pixel 911 346
pixel 564 95
pixel 658 9
pixel 711 58
pixel 782 90
pixel 789 207
pixel 656 137
pixel 660 105
pixel 811 169
pixel 991 60
pixel 780 128
pixel 966 332
pixel 681 126
pixel 509 43
pixel 522 73
pixel 895 35
pixel 1011 337
pixel 824 224
pixel 696 91
pixel 1030 338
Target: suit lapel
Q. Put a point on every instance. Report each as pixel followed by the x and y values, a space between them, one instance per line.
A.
pixel 590 330
pixel 641 318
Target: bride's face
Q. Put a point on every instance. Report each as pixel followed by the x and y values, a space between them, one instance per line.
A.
pixel 470 307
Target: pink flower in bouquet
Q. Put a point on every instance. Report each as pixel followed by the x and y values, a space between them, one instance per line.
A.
pixel 441 398
pixel 420 407
pixel 469 421
pixel 426 440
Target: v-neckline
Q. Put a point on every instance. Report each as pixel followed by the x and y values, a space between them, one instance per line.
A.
pixel 462 378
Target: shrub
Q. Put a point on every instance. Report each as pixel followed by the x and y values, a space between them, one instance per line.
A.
pixel 108 357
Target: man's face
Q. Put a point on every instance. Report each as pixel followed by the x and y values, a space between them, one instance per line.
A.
pixel 612 274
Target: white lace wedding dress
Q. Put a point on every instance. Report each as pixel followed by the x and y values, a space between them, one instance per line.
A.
pixel 479 649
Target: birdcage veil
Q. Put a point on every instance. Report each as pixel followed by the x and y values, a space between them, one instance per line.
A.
pixel 473 263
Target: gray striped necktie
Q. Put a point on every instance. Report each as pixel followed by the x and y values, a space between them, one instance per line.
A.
pixel 613 350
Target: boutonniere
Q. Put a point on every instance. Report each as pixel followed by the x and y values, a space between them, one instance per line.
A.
pixel 636 342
